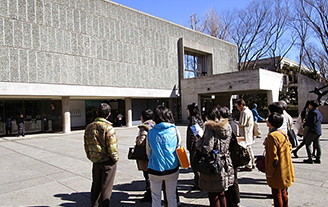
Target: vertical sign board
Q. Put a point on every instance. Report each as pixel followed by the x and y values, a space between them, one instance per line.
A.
pixel 77 113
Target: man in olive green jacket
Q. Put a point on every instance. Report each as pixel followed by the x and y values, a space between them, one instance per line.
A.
pixel 100 145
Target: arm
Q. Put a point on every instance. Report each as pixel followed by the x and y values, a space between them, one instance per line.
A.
pixel 111 142
pixel 272 156
pixel 141 139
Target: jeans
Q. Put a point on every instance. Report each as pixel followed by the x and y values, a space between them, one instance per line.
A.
pixel 171 181
pixel 280 197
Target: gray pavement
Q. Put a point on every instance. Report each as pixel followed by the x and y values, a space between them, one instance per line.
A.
pixel 52 170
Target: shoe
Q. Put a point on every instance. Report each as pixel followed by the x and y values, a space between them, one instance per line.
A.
pixel 195 187
pixel 147 197
pixel 317 161
pixel 308 161
pixel 295 153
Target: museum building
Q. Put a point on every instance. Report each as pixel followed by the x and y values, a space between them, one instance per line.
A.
pixel 59 59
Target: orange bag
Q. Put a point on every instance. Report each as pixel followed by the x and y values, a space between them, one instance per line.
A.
pixel 182 157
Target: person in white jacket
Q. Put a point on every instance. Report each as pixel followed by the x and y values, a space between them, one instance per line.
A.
pixel 246 127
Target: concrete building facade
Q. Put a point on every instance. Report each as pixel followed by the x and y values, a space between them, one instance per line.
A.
pixel 60 58
pixel 73 51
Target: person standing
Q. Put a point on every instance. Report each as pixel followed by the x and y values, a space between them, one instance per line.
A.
pixel 21 126
pixel 279 168
pixel 147 124
pixel 313 127
pixel 232 194
pixel 301 132
pixel 246 126
pixel 9 125
pixel 119 119
pixel 217 136
pixel 195 118
pixel 163 140
pixel 100 144
pixel 256 115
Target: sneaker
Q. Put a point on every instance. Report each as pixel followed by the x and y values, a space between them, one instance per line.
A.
pixel 308 161
pixel 295 153
pixel 317 161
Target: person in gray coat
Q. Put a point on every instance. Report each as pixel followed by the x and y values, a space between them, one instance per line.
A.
pixel 216 131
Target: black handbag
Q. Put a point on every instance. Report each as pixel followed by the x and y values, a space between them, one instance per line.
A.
pixel 239 155
pixel 260 163
pixel 137 153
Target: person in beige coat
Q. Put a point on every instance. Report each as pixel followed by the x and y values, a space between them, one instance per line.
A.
pixel 246 127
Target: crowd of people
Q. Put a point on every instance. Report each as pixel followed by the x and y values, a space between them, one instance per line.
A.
pixel 217 134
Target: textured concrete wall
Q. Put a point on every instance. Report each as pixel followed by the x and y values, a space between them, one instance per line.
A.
pixel 305 85
pixel 95 43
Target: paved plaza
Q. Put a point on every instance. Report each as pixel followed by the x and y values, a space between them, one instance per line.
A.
pixel 52 170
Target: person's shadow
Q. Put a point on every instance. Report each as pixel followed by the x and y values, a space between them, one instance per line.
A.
pixel 75 199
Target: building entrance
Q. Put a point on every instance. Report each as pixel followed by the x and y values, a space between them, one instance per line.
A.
pixel 39 115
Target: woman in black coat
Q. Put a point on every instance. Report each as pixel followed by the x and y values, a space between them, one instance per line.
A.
pixel 195 118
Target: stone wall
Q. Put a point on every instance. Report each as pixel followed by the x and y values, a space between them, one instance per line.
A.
pixel 95 43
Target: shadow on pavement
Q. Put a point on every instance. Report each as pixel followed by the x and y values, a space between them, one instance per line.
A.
pixel 252 181
pixel 79 199
pixel 255 195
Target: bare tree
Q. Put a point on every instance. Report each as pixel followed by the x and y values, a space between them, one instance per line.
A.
pixel 217 25
pixel 279 44
pixel 196 24
pixel 315 14
pixel 251 32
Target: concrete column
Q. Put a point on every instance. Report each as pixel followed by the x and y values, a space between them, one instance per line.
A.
pixel 273 96
pixel 128 112
pixel 66 115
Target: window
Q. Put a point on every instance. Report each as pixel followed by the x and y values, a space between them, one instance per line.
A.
pixel 194 65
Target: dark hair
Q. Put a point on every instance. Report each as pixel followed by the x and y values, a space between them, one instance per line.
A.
pixel 283 104
pixel 147 114
pixel 314 103
pixel 103 110
pixel 194 110
pixel 212 113
pixel 276 107
pixel 241 102
pixel 225 112
pixel 163 114
pixel 276 119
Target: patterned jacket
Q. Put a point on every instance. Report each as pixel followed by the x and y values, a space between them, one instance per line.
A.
pixel 100 141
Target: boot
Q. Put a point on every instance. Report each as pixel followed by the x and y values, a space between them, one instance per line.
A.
pixel 147 196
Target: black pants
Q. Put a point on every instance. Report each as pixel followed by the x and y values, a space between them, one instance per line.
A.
pixel 232 194
pixel 103 175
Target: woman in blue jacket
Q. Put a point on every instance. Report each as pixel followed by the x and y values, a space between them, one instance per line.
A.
pixel 163 161
pixel 313 127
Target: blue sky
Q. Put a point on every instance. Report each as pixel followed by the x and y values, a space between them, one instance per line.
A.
pixel 179 11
